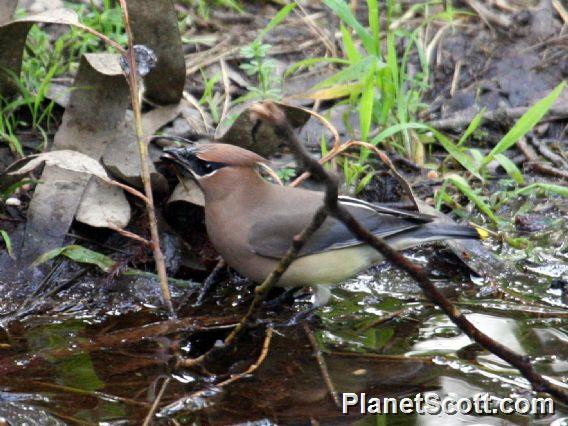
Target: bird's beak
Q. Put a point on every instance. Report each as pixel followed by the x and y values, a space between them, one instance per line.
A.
pixel 181 158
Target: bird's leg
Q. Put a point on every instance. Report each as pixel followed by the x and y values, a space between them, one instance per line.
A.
pixel 321 295
pixel 305 315
pixel 289 295
pixel 212 280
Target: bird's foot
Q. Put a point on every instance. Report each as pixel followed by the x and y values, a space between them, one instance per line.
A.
pixel 305 315
pixel 287 297
pixel 211 282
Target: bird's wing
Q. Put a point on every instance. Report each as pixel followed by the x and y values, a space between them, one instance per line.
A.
pixel 271 236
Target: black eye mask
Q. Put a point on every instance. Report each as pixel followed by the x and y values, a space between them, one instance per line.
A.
pixel 186 160
pixel 203 168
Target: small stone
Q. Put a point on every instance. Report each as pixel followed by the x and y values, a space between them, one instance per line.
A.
pixel 146 60
pixel 432 175
pixel 523 17
pixel 559 283
pixel 14 202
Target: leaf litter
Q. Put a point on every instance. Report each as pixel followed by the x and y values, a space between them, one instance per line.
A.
pixel 97 127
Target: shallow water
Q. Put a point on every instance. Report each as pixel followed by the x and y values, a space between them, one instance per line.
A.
pixel 106 366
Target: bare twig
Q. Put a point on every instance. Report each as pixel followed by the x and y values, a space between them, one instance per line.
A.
pixel 145 169
pixel 545 169
pixel 227 88
pixel 456 78
pixel 262 290
pixel 213 278
pixel 547 153
pixel 489 16
pixel 271 113
pixel 323 366
pixel 233 378
pixel 561 10
pixel 339 149
pixel 130 235
pixel 268 111
pixel 326 123
pixel 101 36
pixel 459 121
pixel 156 402
pixel 526 149
pixel 534 164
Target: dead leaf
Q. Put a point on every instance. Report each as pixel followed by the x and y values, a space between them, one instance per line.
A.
pixel 93 119
pixel 121 157
pixel 103 206
pixel 187 190
pixel 65 159
pixel 7 9
pixel 240 130
pixel 154 24
pixel 13 37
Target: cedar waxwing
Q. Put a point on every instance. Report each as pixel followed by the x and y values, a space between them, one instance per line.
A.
pixel 251 222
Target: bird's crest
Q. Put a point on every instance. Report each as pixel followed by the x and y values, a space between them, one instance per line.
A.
pixel 231 155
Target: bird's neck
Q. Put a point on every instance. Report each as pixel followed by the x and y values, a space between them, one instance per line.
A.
pixel 242 182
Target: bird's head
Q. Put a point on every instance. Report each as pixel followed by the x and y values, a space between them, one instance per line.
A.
pixel 205 159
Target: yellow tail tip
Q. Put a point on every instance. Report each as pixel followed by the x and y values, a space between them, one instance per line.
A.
pixel 483 233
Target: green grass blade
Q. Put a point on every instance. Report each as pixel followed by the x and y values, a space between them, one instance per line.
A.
pixel 397 128
pixel 441 195
pixel 352 72
pixel 342 10
pixel 392 62
pixel 462 185
pixel 7 242
pixel 473 126
pixel 511 168
pixel 461 157
pixel 78 254
pixel 279 17
pixel 374 23
pixel 547 187
pixel 525 123
pixel 349 46
pixel 366 104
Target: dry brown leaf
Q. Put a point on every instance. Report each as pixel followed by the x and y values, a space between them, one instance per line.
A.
pixel 121 157
pixel 257 137
pixel 154 24
pixel 7 9
pixel 13 37
pixel 103 206
pixel 65 159
pixel 187 190
pixel 93 118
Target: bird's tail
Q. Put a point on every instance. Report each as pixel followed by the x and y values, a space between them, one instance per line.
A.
pixel 449 230
pixel 435 231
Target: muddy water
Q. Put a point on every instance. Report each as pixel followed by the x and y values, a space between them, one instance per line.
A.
pixel 81 367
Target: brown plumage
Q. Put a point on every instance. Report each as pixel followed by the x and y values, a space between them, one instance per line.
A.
pixel 251 222
pixel 230 155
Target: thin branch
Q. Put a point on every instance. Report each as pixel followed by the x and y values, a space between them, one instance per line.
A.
pixel 233 378
pixel 131 235
pixel 461 120
pixel 323 366
pixel 262 290
pixel 156 402
pixel 145 169
pixel 270 112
